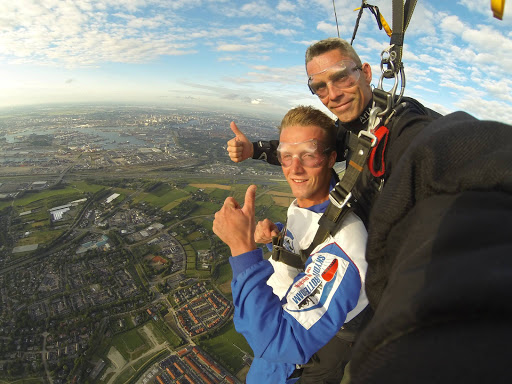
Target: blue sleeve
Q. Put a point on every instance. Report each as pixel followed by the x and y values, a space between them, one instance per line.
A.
pixel 241 262
pixel 316 305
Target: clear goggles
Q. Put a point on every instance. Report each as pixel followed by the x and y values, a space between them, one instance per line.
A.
pixel 342 75
pixel 311 153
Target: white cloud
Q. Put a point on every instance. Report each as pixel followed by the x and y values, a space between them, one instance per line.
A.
pixel 452 24
pixel 449 74
pixel 443 52
pixel 486 109
pixel 465 91
pixel 479 6
pixel 501 89
pixel 327 28
pixel 417 74
pixel 78 34
pixel 423 21
pixel 288 19
pixel 260 48
pixel 422 88
pixel 285 6
pixel 256 9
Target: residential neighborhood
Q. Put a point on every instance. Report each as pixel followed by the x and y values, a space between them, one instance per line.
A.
pixel 109 269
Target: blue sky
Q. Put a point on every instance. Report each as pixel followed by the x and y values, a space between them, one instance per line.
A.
pixel 242 55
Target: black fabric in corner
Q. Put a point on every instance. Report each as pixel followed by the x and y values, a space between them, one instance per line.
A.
pixel 440 258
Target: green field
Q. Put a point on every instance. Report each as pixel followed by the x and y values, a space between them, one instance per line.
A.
pixel 127 343
pixel 174 203
pixel 86 187
pixel 163 333
pixel 194 236
pixel 225 274
pixel 201 244
pixel 48 198
pixel 36 215
pixel 37 223
pixel 157 332
pixel 206 208
pixel 197 274
pixel 219 194
pixel 224 345
pixel 162 197
pixel 191 189
pixel 160 190
pixel 189 250
pixel 40 237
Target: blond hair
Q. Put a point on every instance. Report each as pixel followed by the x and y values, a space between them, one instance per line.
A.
pixel 305 116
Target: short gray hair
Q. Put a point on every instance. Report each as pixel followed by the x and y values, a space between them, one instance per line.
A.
pixel 326 45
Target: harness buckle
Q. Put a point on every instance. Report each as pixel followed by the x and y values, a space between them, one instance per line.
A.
pixel 369 135
pixel 335 202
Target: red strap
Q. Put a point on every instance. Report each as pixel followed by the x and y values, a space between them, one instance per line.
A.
pixel 381 133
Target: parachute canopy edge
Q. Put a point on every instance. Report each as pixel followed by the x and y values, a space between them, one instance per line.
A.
pixel 498 7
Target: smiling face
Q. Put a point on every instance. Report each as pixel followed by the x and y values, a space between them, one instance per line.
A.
pixel 310 185
pixel 347 104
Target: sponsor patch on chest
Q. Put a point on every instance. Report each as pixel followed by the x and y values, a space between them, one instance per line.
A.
pixel 310 296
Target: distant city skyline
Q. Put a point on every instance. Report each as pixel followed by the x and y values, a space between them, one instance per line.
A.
pixel 242 55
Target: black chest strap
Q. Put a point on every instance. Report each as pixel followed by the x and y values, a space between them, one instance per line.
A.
pixel 279 253
pixel 341 196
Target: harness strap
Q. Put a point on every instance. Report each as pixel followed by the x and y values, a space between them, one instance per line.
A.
pixel 341 196
pixel 279 253
pixel 289 258
pixel 401 13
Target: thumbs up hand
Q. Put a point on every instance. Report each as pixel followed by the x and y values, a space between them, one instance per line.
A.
pixel 235 225
pixel 239 148
pixel 265 230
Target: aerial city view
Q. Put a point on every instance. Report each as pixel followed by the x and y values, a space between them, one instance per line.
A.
pixel 139 151
pixel 110 271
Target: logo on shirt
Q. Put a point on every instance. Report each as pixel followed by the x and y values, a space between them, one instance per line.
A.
pixel 309 297
pixel 330 271
pixel 312 288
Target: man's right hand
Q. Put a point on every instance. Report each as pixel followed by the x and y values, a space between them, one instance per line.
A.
pixel 239 148
pixel 264 231
pixel 235 225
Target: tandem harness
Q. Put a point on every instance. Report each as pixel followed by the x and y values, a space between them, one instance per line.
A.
pixel 368 151
pixel 371 143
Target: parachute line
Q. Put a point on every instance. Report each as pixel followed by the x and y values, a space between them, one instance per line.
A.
pixel 336 18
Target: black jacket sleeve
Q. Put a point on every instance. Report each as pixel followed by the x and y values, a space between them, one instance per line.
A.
pixel 440 260
pixel 266 151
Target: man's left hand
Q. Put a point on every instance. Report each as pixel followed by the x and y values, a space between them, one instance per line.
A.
pixel 235 225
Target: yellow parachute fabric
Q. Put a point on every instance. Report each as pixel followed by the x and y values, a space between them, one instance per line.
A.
pixel 497 7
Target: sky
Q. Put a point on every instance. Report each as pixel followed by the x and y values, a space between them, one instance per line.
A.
pixel 243 55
